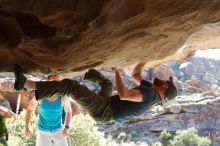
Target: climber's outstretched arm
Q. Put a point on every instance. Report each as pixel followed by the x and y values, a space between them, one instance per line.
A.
pixel 123 92
pixel 137 72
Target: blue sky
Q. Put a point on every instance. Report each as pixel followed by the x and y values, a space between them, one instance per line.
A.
pixel 211 53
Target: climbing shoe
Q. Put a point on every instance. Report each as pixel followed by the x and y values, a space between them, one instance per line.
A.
pixel 19 77
pixel 94 76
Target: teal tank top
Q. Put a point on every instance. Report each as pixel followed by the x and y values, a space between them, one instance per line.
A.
pixel 50 114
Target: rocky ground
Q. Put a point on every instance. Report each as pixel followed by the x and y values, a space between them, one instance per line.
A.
pixel 201 114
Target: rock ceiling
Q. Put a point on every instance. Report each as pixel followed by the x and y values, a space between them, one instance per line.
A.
pixel 73 35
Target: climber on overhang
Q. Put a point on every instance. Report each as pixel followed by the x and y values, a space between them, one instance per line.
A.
pixel 102 106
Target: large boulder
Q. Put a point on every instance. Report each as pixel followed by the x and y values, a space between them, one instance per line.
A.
pixel 188 69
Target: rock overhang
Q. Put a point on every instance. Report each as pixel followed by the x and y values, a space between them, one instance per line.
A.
pixel 70 36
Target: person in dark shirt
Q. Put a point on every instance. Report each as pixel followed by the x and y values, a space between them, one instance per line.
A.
pixel 102 106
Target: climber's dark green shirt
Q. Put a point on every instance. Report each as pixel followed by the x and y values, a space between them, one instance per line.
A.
pixel 123 110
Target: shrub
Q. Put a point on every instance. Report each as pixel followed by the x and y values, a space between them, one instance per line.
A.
pixel 157 144
pixel 16 131
pixel 189 137
pixel 2 126
pixel 84 132
pixel 165 138
pixel 216 88
pixel 188 93
pixel 121 137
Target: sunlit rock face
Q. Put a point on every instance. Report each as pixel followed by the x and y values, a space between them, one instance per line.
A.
pixel 74 35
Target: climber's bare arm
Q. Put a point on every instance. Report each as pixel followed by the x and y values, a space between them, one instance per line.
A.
pixel 137 72
pixel 125 93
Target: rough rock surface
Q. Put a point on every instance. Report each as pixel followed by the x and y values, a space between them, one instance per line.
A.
pixel 74 35
pixel 5 109
pixel 195 86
